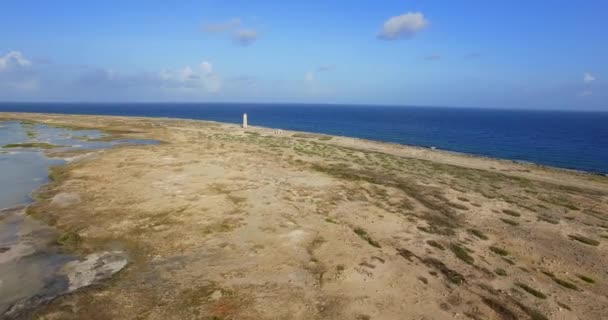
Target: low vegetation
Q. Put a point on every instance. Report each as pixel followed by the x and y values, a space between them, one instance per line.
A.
pixel 363 234
pixel 585 278
pixel 461 253
pixel 511 213
pixel 531 290
pixel 70 239
pixel 585 240
pixel 37 145
pixel 451 275
pixel 500 272
pixel 478 234
pixel 561 282
pixel 435 244
pixel 499 251
pixel 509 222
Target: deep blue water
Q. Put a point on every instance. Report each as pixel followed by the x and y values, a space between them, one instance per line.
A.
pixel 567 139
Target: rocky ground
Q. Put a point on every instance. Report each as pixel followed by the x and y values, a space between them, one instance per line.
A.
pixel 221 222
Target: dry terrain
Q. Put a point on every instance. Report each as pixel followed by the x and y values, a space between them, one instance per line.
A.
pixel 221 222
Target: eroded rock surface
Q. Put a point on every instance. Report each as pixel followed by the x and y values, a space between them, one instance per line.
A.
pixel 74 275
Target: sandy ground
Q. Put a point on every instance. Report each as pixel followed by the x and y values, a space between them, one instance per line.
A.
pixel 225 223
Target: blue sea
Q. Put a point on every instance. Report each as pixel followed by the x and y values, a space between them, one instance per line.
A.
pixel 566 139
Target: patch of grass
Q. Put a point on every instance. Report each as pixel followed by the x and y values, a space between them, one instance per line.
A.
pixel 509 221
pixel 500 272
pixel 548 219
pixel 70 239
pixel 31 134
pixel 533 313
pixel 498 307
pixel 509 261
pixel 478 234
pixel 585 240
pixel 548 274
pixel 224 226
pixel 325 138
pixel 451 275
pixel 561 282
pixel 461 253
pixel 441 216
pixel 39 145
pixel 407 254
pixel 363 234
pixel 511 213
pixel 458 206
pixel 303 135
pixel 563 305
pixel 531 290
pixel 565 284
pixel 236 199
pixel 499 251
pixel 585 278
pixel 435 244
pixel 330 220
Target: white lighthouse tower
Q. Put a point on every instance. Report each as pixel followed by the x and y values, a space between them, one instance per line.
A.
pixel 245 120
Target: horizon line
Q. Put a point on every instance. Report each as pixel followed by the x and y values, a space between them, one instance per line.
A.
pixel 301 103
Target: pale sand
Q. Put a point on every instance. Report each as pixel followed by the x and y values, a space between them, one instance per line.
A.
pixel 222 222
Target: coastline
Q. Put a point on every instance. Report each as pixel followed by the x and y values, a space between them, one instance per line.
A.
pixel 494 139
pixel 511 167
pixel 223 222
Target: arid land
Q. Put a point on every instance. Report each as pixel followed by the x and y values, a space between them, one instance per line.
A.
pixel 221 222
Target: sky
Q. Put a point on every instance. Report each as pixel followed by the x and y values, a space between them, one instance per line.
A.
pixel 533 54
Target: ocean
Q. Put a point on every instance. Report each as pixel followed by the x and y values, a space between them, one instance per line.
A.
pixel 567 139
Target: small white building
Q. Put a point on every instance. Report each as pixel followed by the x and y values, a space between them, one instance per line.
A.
pixel 245 120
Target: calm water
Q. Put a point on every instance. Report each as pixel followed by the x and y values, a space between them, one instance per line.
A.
pixel 30 264
pixel 567 139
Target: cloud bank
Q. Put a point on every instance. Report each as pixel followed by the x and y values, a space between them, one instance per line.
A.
pixel 404 26
pixel 198 79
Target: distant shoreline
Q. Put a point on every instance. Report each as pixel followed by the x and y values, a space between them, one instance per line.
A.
pixel 423 146
pixel 468 160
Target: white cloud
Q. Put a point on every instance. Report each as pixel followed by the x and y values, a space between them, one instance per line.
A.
pixel 16 72
pixel 13 59
pixel 403 26
pixel 240 35
pixel 199 79
pixel 588 77
pixel 202 78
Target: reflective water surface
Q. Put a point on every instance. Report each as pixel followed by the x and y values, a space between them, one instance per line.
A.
pixel 30 261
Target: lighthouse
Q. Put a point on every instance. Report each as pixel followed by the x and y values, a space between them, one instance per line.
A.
pixel 245 120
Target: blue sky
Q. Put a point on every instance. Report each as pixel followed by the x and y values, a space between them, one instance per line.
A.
pixel 503 54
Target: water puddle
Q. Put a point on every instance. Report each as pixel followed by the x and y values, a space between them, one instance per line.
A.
pixel 33 270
